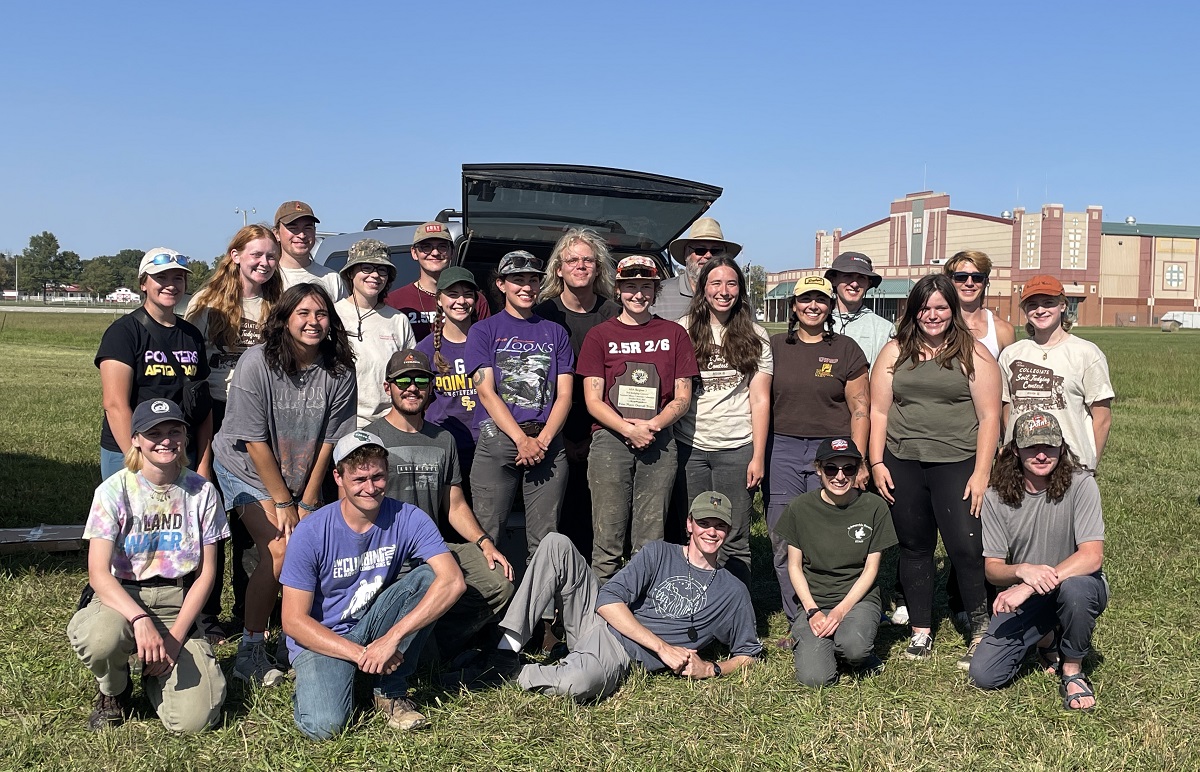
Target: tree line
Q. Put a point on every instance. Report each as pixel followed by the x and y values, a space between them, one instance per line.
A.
pixel 45 266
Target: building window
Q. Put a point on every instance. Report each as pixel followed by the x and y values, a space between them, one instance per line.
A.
pixel 1175 276
pixel 918 225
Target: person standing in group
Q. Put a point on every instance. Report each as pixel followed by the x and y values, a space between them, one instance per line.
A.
pixel 852 275
pixel 1043 541
pixel 836 536
pixel 374 329
pixel 638 371
pixel 1058 373
pixel 523 372
pixel 152 538
pixel 578 295
pixel 229 312
pixel 820 390
pixel 969 270
pixel 154 353
pixel 722 439
pixel 703 242
pixel 935 422
pixel 296 229
pixel 433 249
pixel 291 398
pixel 454 396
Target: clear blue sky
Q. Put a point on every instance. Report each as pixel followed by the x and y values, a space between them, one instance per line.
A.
pixel 139 125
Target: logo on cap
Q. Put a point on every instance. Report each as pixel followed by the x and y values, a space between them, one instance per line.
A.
pixel 433 228
pixel 839 445
pixel 362 436
pixel 160 406
pixel 716 501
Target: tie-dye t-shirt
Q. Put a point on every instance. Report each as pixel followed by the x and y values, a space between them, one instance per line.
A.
pixel 156 530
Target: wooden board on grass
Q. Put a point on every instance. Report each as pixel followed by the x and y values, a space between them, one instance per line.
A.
pixel 44 538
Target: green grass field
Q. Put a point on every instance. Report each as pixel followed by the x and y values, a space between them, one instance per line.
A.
pixel 914 715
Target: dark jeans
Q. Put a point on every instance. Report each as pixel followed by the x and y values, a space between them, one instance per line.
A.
pixel 791 472
pixel 929 500
pixel 723 471
pixel 1073 606
pixel 494 480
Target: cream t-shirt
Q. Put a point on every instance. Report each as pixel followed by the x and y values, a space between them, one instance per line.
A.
pixel 383 331
pixel 719 416
pixel 314 274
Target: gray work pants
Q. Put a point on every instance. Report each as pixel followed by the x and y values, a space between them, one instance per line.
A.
pixel 853 642
pixel 494 480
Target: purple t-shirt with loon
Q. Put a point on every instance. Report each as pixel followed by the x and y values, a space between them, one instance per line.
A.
pixel 526 357
pixel 345 570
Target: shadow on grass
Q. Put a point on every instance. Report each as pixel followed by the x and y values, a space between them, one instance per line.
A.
pixel 40 490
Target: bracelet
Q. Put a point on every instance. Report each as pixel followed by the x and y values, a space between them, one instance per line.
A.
pixel 307 508
pixel 877 463
pixel 284 504
pixel 134 621
pixel 479 541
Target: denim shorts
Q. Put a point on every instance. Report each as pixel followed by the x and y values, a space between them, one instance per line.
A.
pixel 235 491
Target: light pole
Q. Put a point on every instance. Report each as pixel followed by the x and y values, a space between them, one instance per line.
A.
pixel 243 213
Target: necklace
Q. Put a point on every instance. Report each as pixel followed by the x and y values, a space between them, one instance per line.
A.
pixel 160 492
pixel 692 634
pixel 417 284
pixel 1045 349
pixel 361 316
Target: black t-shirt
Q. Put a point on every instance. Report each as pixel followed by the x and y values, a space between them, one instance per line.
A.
pixel 579 422
pixel 127 340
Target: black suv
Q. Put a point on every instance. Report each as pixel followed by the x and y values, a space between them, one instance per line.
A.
pixel 529 206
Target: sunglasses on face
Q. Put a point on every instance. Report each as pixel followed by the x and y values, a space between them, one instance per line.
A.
pixel 702 251
pixel 420 381
pixel 426 247
pixel 831 470
pixel 166 259
pixel 960 277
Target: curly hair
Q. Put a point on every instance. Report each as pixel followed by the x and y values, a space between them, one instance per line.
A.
pixel 794 322
pixel 221 295
pixel 1008 475
pixel 602 285
pixel 959 343
pixel 281 351
pixel 741 346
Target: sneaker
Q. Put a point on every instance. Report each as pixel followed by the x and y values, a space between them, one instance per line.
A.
pixel 900 615
pixel 964 662
pixel 254 666
pixel 920 647
pixel 110 710
pixel 401 713
pixel 500 667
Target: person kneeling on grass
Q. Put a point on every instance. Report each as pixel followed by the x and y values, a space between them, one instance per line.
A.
pixel 659 611
pixel 344 609
pixel 836 536
pixel 153 532
pixel 1043 539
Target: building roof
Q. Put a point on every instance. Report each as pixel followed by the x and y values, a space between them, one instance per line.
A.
pixel 893 288
pixel 1170 231
pixel 781 290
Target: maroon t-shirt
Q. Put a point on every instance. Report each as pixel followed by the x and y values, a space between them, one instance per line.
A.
pixel 613 348
pixel 808 390
pixel 420 307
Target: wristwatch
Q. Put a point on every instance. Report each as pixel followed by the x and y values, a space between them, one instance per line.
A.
pixel 716 670
pixel 812 612
pixel 479 541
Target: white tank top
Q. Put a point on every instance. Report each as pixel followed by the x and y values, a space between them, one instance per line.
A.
pixel 989 340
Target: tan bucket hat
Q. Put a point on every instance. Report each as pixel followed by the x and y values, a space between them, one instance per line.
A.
pixel 704 229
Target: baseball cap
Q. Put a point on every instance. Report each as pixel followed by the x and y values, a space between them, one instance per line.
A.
pixel 432 230
pixel 153 412
pixel 162 259
pixel 711 504
pixel 813 284
pixel 1042 284
pixel 290 211
pixel 854 262
pixel 520 261
pixel 352 442
pixel 638 267
pixel 455 274
pixel 371 251
pixel 407 361
pixel 837 446
pixel 1037 428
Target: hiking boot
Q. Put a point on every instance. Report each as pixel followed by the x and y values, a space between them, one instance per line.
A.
pixel 964 662
pixel 110 710
pixel 401 713
pixel 254 666
pixel 920 647
pixel 500 667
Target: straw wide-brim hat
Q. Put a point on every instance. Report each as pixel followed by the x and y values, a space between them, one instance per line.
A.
pixel 704 229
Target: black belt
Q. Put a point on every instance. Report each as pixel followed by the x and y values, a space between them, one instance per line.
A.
pixel 161 581
pixel 532 428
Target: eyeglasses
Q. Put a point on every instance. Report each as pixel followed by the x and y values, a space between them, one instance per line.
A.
pixel 165 258
pixel 427 246
pixel 369 268
pixel 574 261
pixel 960 277
pixel 420 381
pixel 701 251
pixel 831 470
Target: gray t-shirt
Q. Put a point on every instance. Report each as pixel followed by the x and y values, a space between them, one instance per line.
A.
pixel 668 596
pixel 292 414
pixel 421 468
pixel 674 297
pixel 1039 531
pixel 866 328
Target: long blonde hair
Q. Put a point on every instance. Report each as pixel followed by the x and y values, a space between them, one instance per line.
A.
pixel 552 285
pixel 221 295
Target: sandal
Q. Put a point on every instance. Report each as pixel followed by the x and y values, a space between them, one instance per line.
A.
pixel 1080 680
pixel 1048 660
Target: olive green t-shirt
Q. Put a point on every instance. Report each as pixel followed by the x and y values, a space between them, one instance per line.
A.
pixel 836 541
